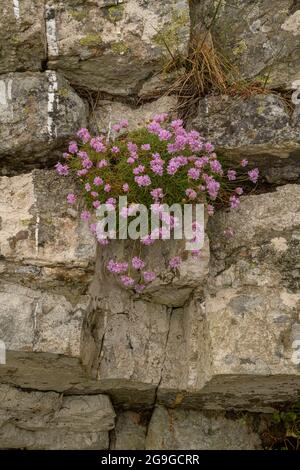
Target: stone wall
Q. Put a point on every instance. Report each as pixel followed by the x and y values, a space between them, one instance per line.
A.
pixel 199 361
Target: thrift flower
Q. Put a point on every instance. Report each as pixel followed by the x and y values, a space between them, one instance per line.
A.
pixel 149 276
pixel 137 263
pixel 253 175
pixel 71 198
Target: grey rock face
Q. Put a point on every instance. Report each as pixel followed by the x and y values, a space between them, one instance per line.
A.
pixel 191 430
pixel 238 338
pixel 260 38
pixel 115 47
pixel 260 128
pixel 48 420
pixel 111 112
pixel 130 431
pixel 22 36
pixel 38 113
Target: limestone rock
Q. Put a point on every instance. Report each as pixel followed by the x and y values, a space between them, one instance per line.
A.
pixel 238 339
pixel 115 47
pixel 262 43
pixel 192 430
pixel 38 113
pixel 12 437
pixel 130 431
pixel 111 112
pixel 46 265
pixel 123 344
pixel 37 321
pixel 38 230
pixel 259 129
pixel 48 420
pixel 22 36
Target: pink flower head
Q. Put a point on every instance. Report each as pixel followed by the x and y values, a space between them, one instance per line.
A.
pixel 94 194
pixel 97 144
pixel 160 117
pixel 253 175
pixel 71 198
pixel 123 123
pixel 107 188
pixel 137 263
pixel 142 180
pixel 127 281
pixel 157 193
pixel 73 147
pixel 82 154
pixel 216 166
pixel 116 268
pixel 131 160
pixel 154 127
pixel 125 187
pixel 234 202
pixel 209 147
pixel 231 175
pixel 193 173
pixel 212 186
pixel 132 147
pixel 85 215
pixel 115 149
pixel 239 191
pixel 175 262
pixel 139 169
pixel 87 163
pixel 149 276
pixel 146 147
pixel 157 166
pixel 98 181
pixel 178 123
pixel 62 170
pixel 87 187
pixel 191 194
pixel 84 135
pixel 244 162
pixel 82 172
pixel 96 204
pixel 164 135
pixel 102 163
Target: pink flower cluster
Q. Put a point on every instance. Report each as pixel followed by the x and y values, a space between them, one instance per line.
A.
pixel 167 164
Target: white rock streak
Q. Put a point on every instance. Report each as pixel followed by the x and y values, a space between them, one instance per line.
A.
pixel 16 9
pixel 52 44
pixel 52 103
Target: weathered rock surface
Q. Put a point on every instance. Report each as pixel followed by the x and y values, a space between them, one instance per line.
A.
pixel 48 420
pixel 191 430
pixel 130 431
pixel 47 257
pixel 115 47
pixel 22 36
pixel 123 344
pixel 261 38
pixel 38 113
pixel 260 128
pixel 109 113
pixel 238 339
